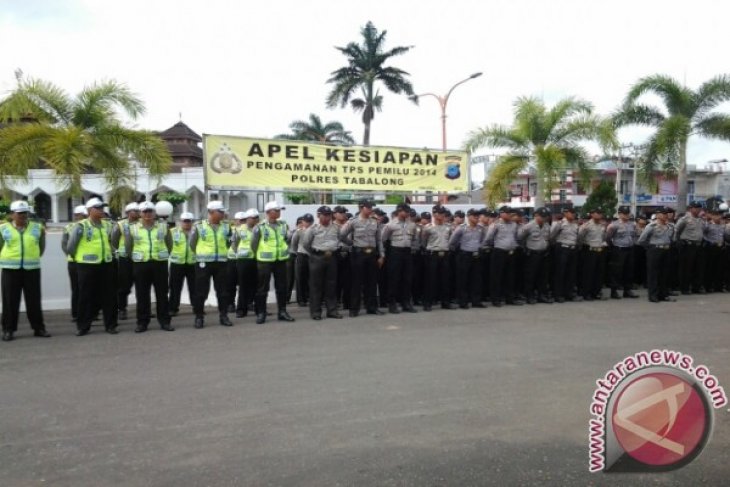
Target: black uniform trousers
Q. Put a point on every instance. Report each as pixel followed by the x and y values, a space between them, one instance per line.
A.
pixel 502 280
pixel 74 280
pixel 148 275
pixel 363 278
pixel 218 271
pixel 179 274
pixel 323 282
pixel 399 266
pixel 265 270
pixel 125 279
pixel 232 281
pixel 97 286
pixel 566 260
pixel 437 283
pixel 657 272
pixel 639 265
pixel 713 263
pixel 621 268
pixel 536 273
pixel 691 272
pixel 593 268
pixel 344 279
pixel 302 278
pixel 28 283
pixel 247 275
pixel 468 278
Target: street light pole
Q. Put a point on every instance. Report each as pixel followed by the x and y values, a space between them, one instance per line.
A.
pixel 443 103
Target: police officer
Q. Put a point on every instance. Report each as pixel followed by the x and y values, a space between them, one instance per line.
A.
pixel 21 245
pixel 502 237
pixel 362 233
pixel 238 220
pixel 689 232
pixel 270 244
pixel 620 236
pixel 592 237
pixel 79 214
pixel 322 241
pixel 400 234
pixel 417 257
pixel 344 279
pixel 466 240
pixel 657 238
pixel 209 241
pixel 436 237
pixel 125 278
pixel 302 258
pixel 246 261
pixel 90 245
pixel 714 243
pixel 182 262
pixel 564 235
pixel 535 236
pixel 148 244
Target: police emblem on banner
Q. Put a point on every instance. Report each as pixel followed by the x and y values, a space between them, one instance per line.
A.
pixel 453 167
pixel 226 161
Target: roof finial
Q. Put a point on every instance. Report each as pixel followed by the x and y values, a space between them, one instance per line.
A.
pixel 179 114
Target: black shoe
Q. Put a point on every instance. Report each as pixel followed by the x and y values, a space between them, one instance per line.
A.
pixel 121 315
pixel 588 298
pixel 199 322
pixel 630 294
pixel 427 307
pixel 686 293
pixel 600 297
pixel 316 317
pixel 464 306
pixel 376 312
pixel 42 333
pixel 516 302
pixel 577 299
pixel 302 304
pixel 240 313
pixel 225 321
pixel 668 299
pixel 448 306
pixel 284 316
pixel 334 315
pixel 140 329
pixel 174 312
pixel 8 336
pixel 353 313
pixel 654 300
pixel 674 293
pixel 167 327
pixel 560 300
pixel 410 309
pixel 478 305
pixel 497 304
pixel 261 318
pixel 545 300
pixel 532 301
pixel 79 333
pixel 113 330
pixel 615 295
pixel 393 309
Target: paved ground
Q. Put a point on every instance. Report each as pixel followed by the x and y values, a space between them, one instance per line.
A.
pixel 447 398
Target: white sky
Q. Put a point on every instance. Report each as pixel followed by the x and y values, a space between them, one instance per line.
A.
pixel 250 68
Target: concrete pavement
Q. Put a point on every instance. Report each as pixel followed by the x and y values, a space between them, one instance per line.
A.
pixel 477 397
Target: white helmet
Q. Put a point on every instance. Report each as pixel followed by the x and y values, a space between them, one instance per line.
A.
pixel 146 205
pixel 80 210
pixel 216 205
pixel 273 205
pixel 20 206
pixel 187 216
pixel 252 213
pixel 131 207
pixel 240 215
pixel 94 203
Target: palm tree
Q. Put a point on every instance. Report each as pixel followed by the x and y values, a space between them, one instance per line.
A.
pixel 330 133
pixel 546 139
pixel 76 135
pixel 685 113
pixel 365 67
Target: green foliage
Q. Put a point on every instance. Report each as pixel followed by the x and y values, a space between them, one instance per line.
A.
pixel 76 134
pixel 300 198
pixel 547 138
pixel 602 197
pixel 365 68
pixel 314 130
pixel 681 114
pixel 393 199
pixel 173 197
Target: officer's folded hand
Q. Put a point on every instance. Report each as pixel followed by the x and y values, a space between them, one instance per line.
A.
pixel 381 261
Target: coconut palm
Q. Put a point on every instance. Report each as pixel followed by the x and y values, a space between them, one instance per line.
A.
pixel 45 126
pixel 366 68
pixel 546 139
pixel 313 129
pixel 684 113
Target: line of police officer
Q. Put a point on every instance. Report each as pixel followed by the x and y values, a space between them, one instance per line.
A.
pixel 463 260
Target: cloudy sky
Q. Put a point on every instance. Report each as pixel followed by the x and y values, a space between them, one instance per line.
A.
pixel 249 68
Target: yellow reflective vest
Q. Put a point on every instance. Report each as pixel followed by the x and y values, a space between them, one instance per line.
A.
pixel 94 245
pixel 149 243
pixel 272 242
pixel 181 252
pixel 212 243
pixel 21 250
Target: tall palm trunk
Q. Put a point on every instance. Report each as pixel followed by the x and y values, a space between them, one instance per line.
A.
pixel 682 177
pixel 366 133
pixel 540 191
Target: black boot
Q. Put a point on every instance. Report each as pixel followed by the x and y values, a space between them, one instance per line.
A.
pixel 282 315
pixel 615 294
pixel 393 309
pixel 225 320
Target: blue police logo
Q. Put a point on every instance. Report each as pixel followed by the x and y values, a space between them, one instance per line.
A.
pixel 453 167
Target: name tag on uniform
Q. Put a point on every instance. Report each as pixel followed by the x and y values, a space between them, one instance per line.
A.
pixel 137 256
pixel 368 251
